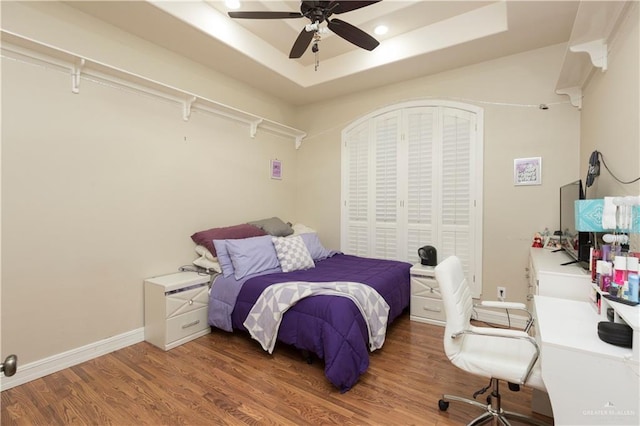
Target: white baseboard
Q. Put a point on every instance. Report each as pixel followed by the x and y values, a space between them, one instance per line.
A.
pixel 43 367
pixel 500 318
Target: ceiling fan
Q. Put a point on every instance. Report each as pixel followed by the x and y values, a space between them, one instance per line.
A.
pixel 318 12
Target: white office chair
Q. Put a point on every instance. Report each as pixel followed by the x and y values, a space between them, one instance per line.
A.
pixel 496 353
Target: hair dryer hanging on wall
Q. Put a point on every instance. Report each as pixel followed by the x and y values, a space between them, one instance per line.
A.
pixel 594 168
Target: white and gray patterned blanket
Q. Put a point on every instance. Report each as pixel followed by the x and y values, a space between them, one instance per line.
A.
pixel 264 318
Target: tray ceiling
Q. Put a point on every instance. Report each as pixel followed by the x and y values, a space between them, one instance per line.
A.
pixel 425 37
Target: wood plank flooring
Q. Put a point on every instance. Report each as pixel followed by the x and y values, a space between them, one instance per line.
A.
pixel 227 379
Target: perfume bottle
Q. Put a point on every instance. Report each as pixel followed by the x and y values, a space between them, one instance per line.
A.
pixel 605 276
pixel 619 270
pixel 606 283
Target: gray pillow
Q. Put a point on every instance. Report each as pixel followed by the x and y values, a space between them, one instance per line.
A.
pixel 273 226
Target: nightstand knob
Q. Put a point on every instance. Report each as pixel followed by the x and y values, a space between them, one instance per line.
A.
pixel 191 302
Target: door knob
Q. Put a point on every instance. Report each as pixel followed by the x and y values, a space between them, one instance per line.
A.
pixel 9 366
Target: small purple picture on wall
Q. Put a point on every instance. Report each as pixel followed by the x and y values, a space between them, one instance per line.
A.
pixel 527 171
pixel 276 169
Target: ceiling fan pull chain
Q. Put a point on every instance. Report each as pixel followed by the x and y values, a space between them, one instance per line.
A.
pixel 315 48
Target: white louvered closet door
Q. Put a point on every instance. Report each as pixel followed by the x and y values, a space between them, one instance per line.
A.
pixel 412 177
pixel 421 194
pixel 456 233
pixel 386 131
pixel 356 169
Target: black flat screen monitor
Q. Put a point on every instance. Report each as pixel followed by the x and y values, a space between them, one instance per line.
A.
pixel 575 243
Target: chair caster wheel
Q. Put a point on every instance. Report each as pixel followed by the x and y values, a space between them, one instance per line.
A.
pixel 443 405
pixel 489 400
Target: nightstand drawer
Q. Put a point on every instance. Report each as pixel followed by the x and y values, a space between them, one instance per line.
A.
pixel 190 299
pixel 425 287
pixel 186 324
pixel 428 308
pixel 175 308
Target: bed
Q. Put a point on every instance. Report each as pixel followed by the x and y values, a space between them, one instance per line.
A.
pixel 330 326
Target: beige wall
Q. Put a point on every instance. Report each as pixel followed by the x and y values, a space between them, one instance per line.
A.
pixel 509 90
pixel 610 116
pixel 67 28
pixel 103 188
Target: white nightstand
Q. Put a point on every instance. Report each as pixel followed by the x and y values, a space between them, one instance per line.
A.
pixel 175 308
pixel 426 302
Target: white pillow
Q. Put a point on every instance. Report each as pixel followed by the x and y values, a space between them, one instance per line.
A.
pixel 292 253
pixel 203 251
pixel 205 263
pixel 299 228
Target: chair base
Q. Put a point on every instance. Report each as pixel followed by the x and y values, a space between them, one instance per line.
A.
pixel 493 410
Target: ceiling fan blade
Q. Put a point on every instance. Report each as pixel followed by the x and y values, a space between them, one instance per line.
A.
pixel 353 34
pixel 301 44
pixel 343 6
pixel 265 15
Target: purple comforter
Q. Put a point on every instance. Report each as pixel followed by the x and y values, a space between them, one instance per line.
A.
pixel 332 327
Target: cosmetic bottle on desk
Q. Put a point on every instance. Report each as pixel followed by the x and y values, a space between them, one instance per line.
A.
pixel 634 285
pixel 606 278
pixel 632 266
pixel 619 270
pixel 596 257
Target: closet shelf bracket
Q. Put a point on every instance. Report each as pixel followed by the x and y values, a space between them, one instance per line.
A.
pixel 594 32
pixel 186 108
pixel 574 93
pixel 597 50
pixel 253 127
pixel 31 51
pixel 76 71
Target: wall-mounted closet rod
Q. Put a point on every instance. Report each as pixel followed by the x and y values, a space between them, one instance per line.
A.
pixel 22 48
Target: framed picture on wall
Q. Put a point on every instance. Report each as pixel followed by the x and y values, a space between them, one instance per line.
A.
pixel 276 169
pixel 527 171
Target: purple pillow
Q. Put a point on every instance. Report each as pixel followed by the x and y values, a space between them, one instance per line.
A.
pixel 223 257
pixel 315 247
pixel 205 238
pixel 252 255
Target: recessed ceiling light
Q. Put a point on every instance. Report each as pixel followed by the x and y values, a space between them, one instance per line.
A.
pixel 381 29
pixel 232 4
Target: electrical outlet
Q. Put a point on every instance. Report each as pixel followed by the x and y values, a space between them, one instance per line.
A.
pixel 502 293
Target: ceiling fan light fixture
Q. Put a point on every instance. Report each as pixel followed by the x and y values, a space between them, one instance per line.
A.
pixel 318 12
pixel 381 30
pixel 312 27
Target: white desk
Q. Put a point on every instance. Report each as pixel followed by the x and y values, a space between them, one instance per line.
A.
pixel 549 277
pixel 589 382
pixel 630 315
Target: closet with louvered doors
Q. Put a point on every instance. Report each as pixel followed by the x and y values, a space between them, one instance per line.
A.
pixel 412 176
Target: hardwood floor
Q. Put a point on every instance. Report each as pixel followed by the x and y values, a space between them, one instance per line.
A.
pixel 225 378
